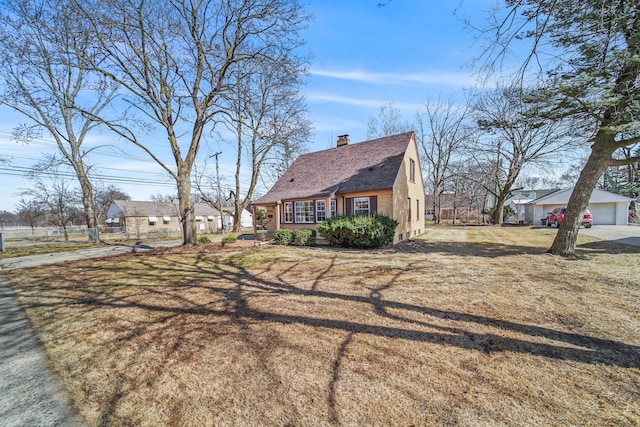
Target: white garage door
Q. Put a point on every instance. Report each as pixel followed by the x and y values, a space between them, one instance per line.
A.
pixel 603 213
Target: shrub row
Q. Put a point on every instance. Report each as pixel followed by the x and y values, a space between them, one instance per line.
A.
pixel 302 237
pixel 361 231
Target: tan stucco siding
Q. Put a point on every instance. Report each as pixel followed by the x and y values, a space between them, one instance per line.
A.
pixel 403 190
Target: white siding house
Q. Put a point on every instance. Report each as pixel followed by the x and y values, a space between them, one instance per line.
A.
pixel 607 208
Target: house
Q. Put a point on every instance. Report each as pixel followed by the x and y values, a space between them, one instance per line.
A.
pixel 519 199
pixel 377 176
pixel 156 217
pixel 607 208
pixel 452 207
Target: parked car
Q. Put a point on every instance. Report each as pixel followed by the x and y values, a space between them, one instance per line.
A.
pixel 556 216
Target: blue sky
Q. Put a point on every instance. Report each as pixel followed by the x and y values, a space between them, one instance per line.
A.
pixel 362 57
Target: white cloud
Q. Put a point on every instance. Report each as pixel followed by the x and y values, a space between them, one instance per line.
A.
pixel 444 78
pixel 321 97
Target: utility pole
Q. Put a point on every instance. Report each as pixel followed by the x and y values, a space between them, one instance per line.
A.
pixel 219 196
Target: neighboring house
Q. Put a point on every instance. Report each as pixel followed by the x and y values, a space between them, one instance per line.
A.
pixel 607 208
pixel 452 206
pixel 144 217
pixel 378 176
pixel 519 199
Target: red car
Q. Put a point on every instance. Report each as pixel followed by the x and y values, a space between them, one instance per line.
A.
pixel 556 216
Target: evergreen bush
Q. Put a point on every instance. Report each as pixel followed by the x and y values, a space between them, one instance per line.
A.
pixel 283 237
pixel 305 237
pixel 358 231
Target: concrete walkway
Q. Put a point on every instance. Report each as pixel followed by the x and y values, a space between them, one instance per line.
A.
pixel 30 395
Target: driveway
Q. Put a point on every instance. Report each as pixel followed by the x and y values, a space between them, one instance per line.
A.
pixel 626 234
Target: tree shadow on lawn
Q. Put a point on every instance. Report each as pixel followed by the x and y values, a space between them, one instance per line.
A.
pixel 236 286
pixel 476 249
pixel 246 285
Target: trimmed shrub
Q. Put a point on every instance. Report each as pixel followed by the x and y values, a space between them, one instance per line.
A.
pixel 283 237
pixel 359 231
pixel 203 240
pixel 229 238
pixel 305 237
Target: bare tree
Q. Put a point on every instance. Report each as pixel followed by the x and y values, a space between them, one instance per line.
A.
pixel 389 121
pixel 50 189
pixel 31 211
pixel 173 60
pixel 267 113
pixel 163 198
pixel 586 54
pixel 443 129
pixel 41 70
pixel 515 135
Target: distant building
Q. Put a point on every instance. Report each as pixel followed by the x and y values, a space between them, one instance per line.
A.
pixel 145 217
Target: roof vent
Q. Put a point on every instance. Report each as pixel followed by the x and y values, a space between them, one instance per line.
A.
pixel 343 140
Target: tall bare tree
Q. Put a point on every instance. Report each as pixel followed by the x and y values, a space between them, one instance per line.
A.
pixel 42 48
pixel 443 130
pixel 587 52
pixel 389 121
pixel 515 135
pixel 173 61
pixel 267 113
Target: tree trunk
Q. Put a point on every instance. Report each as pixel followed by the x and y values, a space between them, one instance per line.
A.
pixel 189 232
pixel 566 240
pixel 237 216
pixel 498 212
pixel 87 201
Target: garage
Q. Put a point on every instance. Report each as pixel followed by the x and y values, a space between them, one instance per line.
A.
pixel 603 213
pixel 607 208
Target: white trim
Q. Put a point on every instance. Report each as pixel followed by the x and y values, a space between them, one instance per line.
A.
pixel 166 218
pixel 368 199
pixel 324 202
pixel 153 219
pixel 295 212
pixel 284 213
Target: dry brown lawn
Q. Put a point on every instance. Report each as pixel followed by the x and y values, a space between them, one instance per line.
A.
pixel 466 326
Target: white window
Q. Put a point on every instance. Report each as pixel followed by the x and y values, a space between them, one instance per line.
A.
pixel 288 212
pixel 153 221
pixel 361 206
pixel 304 211
pixel 334 208
pixel 321 210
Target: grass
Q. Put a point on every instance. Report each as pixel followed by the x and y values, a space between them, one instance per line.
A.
pixel 465 326
pixel 45 248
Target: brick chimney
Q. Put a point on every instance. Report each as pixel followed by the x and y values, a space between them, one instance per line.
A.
pixel 343 140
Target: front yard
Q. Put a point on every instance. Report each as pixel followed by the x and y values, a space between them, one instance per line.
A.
pixel 466 326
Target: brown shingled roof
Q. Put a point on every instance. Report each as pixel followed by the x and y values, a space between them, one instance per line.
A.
pixel 365 166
